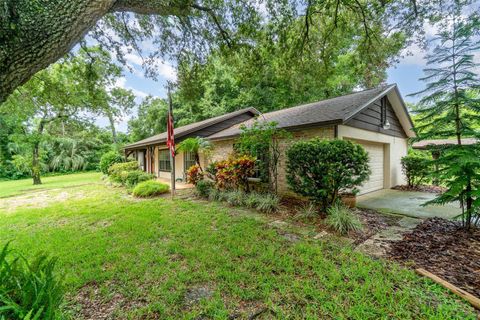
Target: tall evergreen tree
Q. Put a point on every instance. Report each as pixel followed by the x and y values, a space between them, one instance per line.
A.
pixel 450 107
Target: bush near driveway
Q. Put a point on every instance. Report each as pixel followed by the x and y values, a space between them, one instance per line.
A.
pixel 416 169
pixel 150 188
pixel 321 169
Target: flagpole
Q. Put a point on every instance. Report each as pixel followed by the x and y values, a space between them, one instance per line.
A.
pixel 172 157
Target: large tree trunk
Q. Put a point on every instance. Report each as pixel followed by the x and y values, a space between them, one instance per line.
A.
pixel 34 34
pixel 36 164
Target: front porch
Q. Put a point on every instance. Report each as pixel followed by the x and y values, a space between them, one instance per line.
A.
pixel 178 185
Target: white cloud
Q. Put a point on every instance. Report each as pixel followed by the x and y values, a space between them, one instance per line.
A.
pixel 166 70
pixel 133 59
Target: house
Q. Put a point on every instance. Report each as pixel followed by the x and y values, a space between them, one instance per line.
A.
pixel 376 118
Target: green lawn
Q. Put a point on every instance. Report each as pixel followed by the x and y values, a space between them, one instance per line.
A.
pixel 15 187
pixel 146 259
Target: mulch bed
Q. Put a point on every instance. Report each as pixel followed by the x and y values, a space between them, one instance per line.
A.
pixel 372 222
pixel 421 188
pixel 445 249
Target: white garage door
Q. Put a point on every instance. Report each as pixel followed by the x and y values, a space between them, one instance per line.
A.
pixel 376 161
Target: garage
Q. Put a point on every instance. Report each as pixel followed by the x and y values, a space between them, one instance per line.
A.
pixel 376 162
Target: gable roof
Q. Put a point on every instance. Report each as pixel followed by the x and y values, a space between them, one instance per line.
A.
pixel 190 128
pixel 336 110
pixel 331 111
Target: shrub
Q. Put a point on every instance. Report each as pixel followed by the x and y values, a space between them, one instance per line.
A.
pixel 214 195
pixel 116 171
pixel 150 188
pixel 268 203
pixel 342 220
pixel 321 169
pixel 29 290
pixel 252 199
pixel 234 172
pixel 203 188
pixel 109 158
pixel 194 174
pixel 308 210
pixel 416 169
pixel 132 178
pixel 235 198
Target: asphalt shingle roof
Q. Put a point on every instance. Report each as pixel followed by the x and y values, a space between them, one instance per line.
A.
pixel 334 110
pixel 183 130
pixel 331 110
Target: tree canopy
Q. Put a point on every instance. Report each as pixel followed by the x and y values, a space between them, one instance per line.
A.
pixel 35 33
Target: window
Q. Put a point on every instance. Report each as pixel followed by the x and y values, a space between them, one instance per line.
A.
pixel 188 160
pixel 164 160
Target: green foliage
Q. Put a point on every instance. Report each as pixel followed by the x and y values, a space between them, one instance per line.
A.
pixel 151 119
pixel 132 178
pixel 342 219
pixel 215 195
pixel 460 173
pixel 235 198
pixel 203 188
pixel 308 210
pixel 150 188
pixel 416 169
pixel 450 108
pixel 261 141
pixel 268 203
pixel 108 159
pixel 29 289
pixel 321 169
pixel 116 169
pixel 252 199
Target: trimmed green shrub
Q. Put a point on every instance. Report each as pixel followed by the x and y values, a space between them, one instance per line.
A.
pixel 150 188
pixel 132 178
pixel 321 169
pixel 235 198
pixel 29 290
pixel 203 188
pixel 416 169
pixel 108 159
pixel 116 171
pixel 268 203
pixel 342 220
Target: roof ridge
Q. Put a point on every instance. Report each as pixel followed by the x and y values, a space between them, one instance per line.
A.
pixel 332 98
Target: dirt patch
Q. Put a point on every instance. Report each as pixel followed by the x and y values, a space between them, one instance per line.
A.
pixel 39 199
pixel 445 249
pixel 421 188
pixel 93 306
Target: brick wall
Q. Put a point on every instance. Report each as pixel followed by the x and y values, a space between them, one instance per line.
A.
pixel 225 147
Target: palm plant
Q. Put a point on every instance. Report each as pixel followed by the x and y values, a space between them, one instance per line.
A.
pixel 196 145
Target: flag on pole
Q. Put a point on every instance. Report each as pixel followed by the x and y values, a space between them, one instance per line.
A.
pixel 170 134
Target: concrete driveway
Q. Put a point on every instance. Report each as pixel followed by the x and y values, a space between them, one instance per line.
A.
pixel 406 203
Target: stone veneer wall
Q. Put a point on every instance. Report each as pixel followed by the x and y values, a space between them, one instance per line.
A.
pixel 224 147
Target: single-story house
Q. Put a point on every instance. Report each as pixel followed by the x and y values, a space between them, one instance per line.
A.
pixel 376 118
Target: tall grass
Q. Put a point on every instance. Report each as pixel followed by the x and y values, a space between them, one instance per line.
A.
pixel 342 219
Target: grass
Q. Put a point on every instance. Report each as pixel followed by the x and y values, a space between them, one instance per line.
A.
pixel 143 257
pixel 16 187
